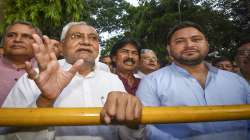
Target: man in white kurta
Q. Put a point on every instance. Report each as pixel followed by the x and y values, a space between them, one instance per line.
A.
pixel 88 91
pixel 81 89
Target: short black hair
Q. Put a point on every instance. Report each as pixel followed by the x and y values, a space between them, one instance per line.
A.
pixel 244 41
pixel 182 25
pixel 223 58
pixel 122 42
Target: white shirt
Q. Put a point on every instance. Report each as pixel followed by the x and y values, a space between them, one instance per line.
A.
pixel 139 74
pixel 102 66
pixel 88 91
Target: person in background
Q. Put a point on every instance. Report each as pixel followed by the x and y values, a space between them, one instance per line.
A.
pixel 107 60
pixel 223 63
pixel 1 51
pixel 236 68
pixel 55 47
pixel 125 58
pixel 73 82
pixel 17 46
pixel 243 59
pixel 190 81
pixel 148 63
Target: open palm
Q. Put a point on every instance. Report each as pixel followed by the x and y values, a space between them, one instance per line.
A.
pixel 51 79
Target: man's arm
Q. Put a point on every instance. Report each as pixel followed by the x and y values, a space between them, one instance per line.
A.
pixel 51 79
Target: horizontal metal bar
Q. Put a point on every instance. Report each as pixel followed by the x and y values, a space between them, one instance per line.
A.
pixel 91 116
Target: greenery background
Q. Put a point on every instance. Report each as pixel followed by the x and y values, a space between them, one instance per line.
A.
pixel 226 22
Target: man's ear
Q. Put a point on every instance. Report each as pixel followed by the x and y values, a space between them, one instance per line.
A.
pixel 168 50
pixel 113 58
pixel 60 46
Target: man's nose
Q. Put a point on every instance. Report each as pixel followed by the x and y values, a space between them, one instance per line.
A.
pixel 85 40
pixel 189 43
pixel 130 54
pixel 18 37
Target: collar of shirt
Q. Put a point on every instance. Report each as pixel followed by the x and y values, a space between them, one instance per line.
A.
pixel 9 64
pixel 183 71
pixel 139 75
pixel 66 66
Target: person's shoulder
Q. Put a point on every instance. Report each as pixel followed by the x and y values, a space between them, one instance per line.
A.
pixel 102 66
pixel 102 73
pixel 231 76
pixel 228 74
pixel 165 71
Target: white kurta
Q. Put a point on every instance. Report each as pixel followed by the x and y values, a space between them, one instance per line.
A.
pixel 88 91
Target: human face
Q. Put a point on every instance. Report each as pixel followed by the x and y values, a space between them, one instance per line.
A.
pixel 81 42
pixel 107 60
pixel 18 41
pixel 243 57
pixel 225 65
pixel 188 46
pixel 126 58
pixel 148 61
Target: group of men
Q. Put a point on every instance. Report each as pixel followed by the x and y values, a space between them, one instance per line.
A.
pixel 78 81
pixel 241 65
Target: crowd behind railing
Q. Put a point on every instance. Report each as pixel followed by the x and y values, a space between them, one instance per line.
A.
pixel 40 72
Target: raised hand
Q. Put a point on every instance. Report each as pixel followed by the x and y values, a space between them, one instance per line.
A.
pixel 121 107
pixel 51 79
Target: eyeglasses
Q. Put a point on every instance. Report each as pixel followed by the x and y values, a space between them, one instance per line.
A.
pixel 91 37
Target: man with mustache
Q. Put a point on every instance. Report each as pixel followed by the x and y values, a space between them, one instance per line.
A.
pixel 17 46
pixel 243 59
pixel 125 58
pixel 148 63
pixel 190 81
pixel 74 82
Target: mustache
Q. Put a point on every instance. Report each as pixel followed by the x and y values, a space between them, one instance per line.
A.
pixel 186 50
pixel 84 49
pixel 129 60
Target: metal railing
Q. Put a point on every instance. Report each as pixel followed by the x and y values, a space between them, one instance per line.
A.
pixel 91 116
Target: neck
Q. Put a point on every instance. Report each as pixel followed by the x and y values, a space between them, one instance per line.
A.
pixel 194 69
pixel 124 73
pixel 85 70
pixel 129 75
pixel 199 72
pixel 18 61
pixel 145 71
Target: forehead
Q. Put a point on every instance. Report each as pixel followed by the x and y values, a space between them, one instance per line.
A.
pixel 106 59
pixel 187 32
pixel 128 46
pixel 224 61
pixel 21 28
pixel 245 46
pixel 82 29
pixel 148 53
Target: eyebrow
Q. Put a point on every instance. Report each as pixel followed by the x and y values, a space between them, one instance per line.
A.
pixel 93 34
pixel 128 50
pixel 191 37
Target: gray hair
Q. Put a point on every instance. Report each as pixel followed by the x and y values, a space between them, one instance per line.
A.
pixel 68 26
pixel 143 51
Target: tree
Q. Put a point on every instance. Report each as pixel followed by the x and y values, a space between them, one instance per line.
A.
pixel 152 20
pixel 51 15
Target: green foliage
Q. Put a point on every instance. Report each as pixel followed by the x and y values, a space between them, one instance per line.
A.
pixel 152 20
pixel 149 23
pixel 48 15
pixel 51 15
